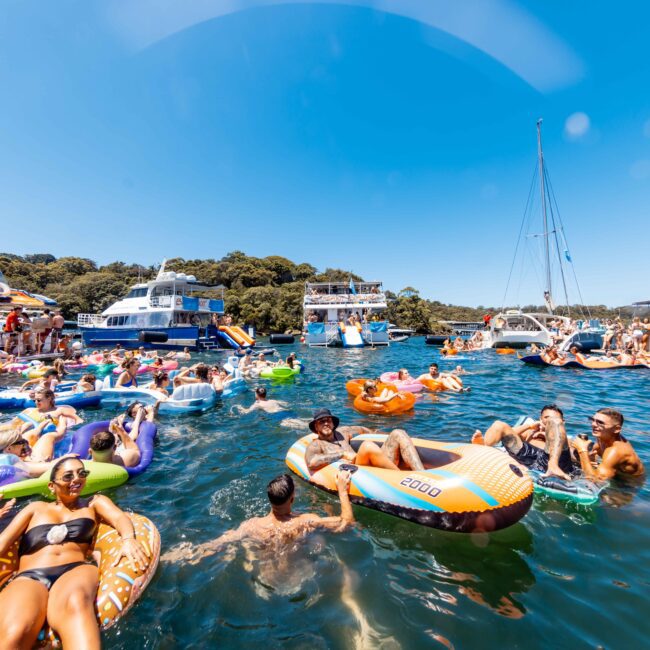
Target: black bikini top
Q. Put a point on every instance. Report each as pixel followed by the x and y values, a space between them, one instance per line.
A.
pixel 79 530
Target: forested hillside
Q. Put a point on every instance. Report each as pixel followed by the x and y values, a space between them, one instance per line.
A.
pixel 266 292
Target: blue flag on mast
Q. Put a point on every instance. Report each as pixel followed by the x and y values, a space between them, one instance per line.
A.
pixel 352 289
pixel 568 257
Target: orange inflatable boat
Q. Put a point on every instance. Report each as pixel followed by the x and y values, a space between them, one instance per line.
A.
pixel 463 488
pixel 355 386
pixel 401 404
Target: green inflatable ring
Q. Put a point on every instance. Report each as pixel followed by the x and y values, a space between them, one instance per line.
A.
pixel 281 372
pixel 102 476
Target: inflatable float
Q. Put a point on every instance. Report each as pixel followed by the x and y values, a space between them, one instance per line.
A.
pixel 119 586
pixel 16 399
pixel 579 490
pixel 14 483
pixel 146 365
pixel 80 443
pixel 403 385
pixel 279 372
pixel 434 384
pixel 505 350
pixel 448 352
pixel 589 364
pixel 464 488
pixel 401 404
pixel 354 387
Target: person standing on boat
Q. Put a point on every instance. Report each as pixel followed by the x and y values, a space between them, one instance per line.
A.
pixel 333 444
pixel 617 454
pixel 540 446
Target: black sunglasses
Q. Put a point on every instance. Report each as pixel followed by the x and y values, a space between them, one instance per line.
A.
pixel 598 423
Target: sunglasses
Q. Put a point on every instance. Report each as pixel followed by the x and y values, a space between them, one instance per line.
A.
pixel 68 477
pixel 597 423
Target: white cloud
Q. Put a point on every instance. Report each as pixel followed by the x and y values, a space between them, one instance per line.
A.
pixel 640 170
pixel 577 126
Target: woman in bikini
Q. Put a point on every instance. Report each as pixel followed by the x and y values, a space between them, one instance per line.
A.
pixel 128 378
pixel 56 580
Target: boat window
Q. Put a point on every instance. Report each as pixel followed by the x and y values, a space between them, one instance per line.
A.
pixel 137 292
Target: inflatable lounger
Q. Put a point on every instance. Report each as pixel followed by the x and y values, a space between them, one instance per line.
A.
pixel 463 488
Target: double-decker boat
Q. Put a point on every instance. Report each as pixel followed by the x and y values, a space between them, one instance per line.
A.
pixel 347 314
pixel 165 313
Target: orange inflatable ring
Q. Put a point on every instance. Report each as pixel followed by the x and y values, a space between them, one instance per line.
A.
pixel 398 405
pixel 433 384
pixel 119 586
pixel 355 387
pixel 505 350
pixel 448 352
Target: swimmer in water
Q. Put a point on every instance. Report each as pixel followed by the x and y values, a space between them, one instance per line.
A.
pixel 449 379
pixel 262 403
pixel 280 524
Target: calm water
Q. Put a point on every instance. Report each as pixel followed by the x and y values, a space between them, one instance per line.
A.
pixel 564 577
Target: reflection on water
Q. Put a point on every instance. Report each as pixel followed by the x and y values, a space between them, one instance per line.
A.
pixel 566 576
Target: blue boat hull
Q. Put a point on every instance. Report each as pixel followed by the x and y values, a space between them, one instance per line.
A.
pixel 177 337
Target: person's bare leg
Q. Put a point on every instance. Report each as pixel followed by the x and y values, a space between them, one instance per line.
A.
pixel 556 441
pixel 499 432
pixel 43 450
pixel 23 604
pixel 399 445
pixel 71 608
pixel 370 454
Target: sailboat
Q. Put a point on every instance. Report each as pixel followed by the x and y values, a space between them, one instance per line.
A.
pixel 518 329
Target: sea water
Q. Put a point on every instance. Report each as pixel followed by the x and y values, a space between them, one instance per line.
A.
pixel 565 576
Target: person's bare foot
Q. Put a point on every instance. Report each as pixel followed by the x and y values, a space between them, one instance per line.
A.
pixel 556 471
pixel 477 438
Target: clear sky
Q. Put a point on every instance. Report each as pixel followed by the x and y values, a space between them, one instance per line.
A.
pixel 395 137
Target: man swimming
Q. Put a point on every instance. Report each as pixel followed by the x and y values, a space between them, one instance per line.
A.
pixel 449 380
pixel 281 524
pixel 262 403
pixel 333 444
pixel 540 446
pixel 618 455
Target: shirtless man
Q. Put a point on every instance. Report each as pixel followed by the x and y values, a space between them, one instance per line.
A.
pixel 281 524
pixel 541 445
pixel 449 380
pixel 103 444
pixel 261 403
pixel 618 455
pixel 333 444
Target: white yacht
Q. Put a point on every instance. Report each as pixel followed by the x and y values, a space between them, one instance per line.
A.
pixel 166 313
pixel 347 314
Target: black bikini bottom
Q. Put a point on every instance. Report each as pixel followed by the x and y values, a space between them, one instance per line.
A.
pixel 47 576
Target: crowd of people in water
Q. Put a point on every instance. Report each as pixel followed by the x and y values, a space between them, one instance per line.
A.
pixel 57 578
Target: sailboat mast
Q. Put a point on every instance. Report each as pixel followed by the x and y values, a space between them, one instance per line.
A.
pixel 542 189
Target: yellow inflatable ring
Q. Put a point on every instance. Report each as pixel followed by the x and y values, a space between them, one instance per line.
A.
pixel 119 586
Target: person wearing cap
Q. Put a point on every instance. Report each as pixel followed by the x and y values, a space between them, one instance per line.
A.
pixel 333 443
pixel 279 525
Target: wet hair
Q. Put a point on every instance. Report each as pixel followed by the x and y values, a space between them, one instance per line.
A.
pixel 102 441
pixel 617 416
pixel 160 376
pixel 433 365
pixel 59 463
pixel 280 489
pixel 50 372
pixel 201 371
pixel 46 393
pixel 260 391
pixel 552 407
pixel 131 408
pixel 89 378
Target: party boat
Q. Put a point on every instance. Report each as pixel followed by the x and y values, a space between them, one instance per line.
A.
pixel 345 314
pixel 166 313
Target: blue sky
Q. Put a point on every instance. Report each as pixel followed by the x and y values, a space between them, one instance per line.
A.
pixel 394 138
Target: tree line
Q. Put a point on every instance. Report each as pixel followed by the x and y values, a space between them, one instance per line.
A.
pixel 266 292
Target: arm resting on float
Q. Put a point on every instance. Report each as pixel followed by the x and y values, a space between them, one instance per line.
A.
pixel 17 526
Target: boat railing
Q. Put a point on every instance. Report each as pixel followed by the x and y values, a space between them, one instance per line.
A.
pixel 344 298
pixel 89 320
